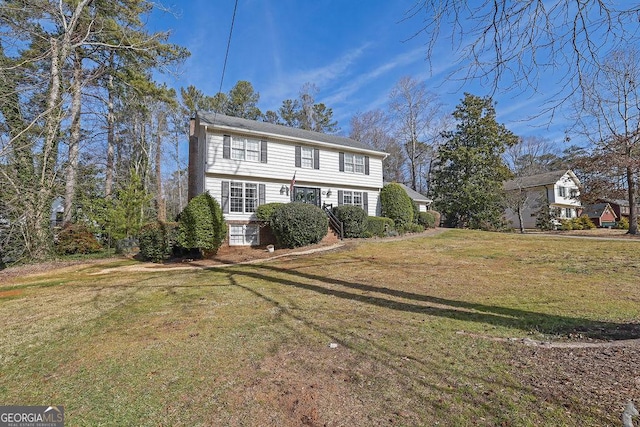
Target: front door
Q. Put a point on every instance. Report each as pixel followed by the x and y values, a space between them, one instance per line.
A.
pixel 307 195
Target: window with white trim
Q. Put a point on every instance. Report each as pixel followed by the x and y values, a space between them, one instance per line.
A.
pixel 244 234
pixel 354 163
pixel 245 149
pixel 562 191
pixel 306 157
pixel 353 198
pixel 243 197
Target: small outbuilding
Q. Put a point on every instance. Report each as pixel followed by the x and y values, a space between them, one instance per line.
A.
pixel 601 214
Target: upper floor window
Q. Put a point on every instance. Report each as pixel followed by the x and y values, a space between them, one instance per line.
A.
pixel 307 157
pixel 562 191
pixel 354 163
pixel 245 149
pixel 242 148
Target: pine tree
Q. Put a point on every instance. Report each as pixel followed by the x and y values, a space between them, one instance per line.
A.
pixel 470 171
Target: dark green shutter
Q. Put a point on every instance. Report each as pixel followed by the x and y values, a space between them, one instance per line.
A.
pixel 340 197
pixel 316 158
pixel 263 151
pixel 341 161
pixel 226 147
pixel 365 201
pixel 366 165
pixel 298 156
pixel 225 196
pixel 261 194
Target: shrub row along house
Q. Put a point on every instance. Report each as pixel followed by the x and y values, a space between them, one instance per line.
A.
pixel 245 163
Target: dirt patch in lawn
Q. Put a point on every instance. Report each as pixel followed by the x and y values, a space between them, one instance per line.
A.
pixel 584 380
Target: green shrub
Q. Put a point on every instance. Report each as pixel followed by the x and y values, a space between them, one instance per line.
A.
pixel 623 223
pixel 427 219
pixel 201 225
pixel 436 217
pixel 567 225
pixel 156 240
pixel 397 205
pixel 354 220
pixel 265 212
pixel 379 226
pixel 298 224
pixel 411 228
pixel 585 223
pixel 76 239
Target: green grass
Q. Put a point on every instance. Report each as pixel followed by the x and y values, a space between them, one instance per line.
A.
pixel 249 345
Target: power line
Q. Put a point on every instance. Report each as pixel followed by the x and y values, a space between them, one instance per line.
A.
pixel 226 55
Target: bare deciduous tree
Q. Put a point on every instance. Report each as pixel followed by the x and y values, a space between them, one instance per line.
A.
pixel 509 42
pixel 609 113
pixel 419 122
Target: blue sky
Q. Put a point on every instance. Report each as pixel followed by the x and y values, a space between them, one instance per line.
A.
pixel 354 52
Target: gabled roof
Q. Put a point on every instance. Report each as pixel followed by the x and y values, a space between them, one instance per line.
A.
pixel 414 195
pixel 269 129
pixel 539 180
pixel 597 210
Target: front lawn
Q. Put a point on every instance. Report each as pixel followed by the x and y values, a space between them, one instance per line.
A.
pixel 433 330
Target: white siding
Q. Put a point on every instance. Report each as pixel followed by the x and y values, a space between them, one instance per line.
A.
pixel 281 166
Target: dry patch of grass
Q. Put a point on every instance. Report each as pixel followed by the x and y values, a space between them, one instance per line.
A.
pixel 250 345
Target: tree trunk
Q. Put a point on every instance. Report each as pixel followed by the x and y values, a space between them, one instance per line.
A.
pixel 108 184
pixel 160 202
pixel 633 211
pixel 74 140
pixel 520 220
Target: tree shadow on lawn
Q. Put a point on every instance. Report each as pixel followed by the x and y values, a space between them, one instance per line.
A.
pixel 528 321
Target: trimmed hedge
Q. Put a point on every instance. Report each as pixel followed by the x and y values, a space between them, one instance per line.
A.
pixel 298 224
pixel 354 220
pixel 76 239
pixel 201 225
pixel 157 240
pixel 397 205
pixel 427 219
pixel 379 226
pixel 265 212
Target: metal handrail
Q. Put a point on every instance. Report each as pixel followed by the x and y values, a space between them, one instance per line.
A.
pixel 334 222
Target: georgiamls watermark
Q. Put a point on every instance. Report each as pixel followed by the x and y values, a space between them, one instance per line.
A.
pixel 31 416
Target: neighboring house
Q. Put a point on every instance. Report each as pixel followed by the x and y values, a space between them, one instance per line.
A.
pixel 602 214
pixel 620 207
pixel 57 212
pixel 245 163
pixel 557 189
pixel 422 201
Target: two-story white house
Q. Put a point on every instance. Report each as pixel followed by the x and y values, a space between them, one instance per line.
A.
pixel 245 163
pixel 560 190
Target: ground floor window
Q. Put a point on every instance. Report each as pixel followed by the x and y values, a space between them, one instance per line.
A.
pixel 353 198
pixel 244 235
pixel 244 197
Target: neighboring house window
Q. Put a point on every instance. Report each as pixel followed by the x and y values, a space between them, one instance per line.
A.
pixel 241 235
pixel 353 198
pixel 307 157
pixel 569 212
pixel 242 197
pixel 562 191
pixel 240 148
pixel 354 163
